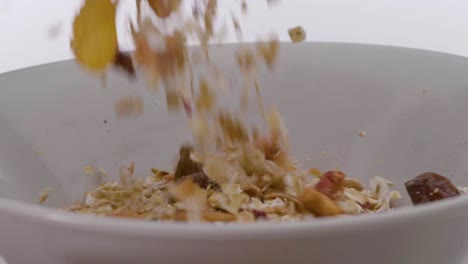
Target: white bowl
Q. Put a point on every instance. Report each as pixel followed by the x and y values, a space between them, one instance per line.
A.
pixel 410 103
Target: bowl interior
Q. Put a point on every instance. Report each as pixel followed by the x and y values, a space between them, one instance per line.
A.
pixel 56 119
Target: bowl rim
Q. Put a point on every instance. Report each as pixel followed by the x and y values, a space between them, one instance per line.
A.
pixel 38 214
pixel 149 229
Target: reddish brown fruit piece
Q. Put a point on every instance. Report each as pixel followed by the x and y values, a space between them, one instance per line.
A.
pixel 124 62
pixel 429 187
pixel 164 8
pixel 331 183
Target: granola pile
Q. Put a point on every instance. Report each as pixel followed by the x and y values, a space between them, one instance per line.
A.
pixel 233 171
pixel 228 188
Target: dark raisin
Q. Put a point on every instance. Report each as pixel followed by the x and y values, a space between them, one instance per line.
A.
pixel 429 187
pixel 124 62
pixel 186 166
pixel 259 214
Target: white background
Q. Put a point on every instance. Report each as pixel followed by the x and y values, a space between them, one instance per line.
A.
pixel 440 25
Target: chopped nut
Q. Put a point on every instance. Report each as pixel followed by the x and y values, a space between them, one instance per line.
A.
pixel 315 172
pixel 353 183
pixel 126 214
pixel 318 203
pixel 297 34
pixel 213 216
pixel 251 190
pixel 44 195
pixel 245 217
pixel 297 203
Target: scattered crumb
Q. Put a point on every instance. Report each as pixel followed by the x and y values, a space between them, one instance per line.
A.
pixel 44 194
pixel 343 151
pixel 244 7
pixel 362 134
pixel 272 3
pixel 88 170
pixel 129 106
pixel 315 172
pixel 54 31
pixel 297 34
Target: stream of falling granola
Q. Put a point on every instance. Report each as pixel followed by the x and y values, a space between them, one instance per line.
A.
pixel 233 172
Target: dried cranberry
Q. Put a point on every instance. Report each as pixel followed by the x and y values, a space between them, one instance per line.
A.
pixel 259 214
pixel 331 183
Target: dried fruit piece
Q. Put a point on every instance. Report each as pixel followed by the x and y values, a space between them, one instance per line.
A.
pixel 429 187
pixel 259 214
pixel 186 166
pixel 94 35
pixel 297 34
pixel 331 183
pixel 164 8
pixel 318 203
pixel 124 62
